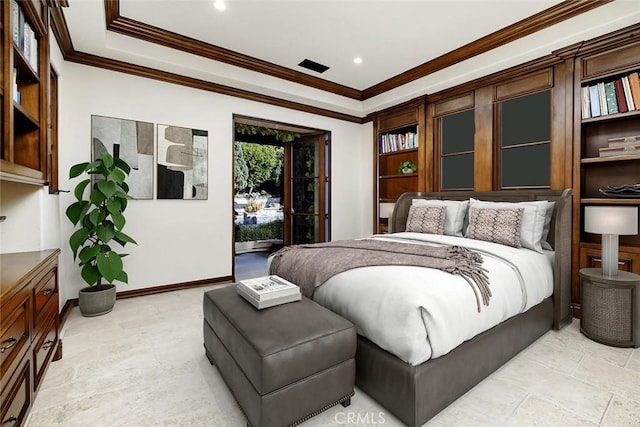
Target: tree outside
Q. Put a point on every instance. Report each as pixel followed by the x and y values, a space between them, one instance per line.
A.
pixel 258 185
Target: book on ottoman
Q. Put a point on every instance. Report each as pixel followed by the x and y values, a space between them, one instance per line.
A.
pixel 267 291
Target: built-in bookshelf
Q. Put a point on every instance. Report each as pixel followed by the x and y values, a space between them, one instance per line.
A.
pixel 24 35
pixel 608 104
pixel 618 94
pixel 399 138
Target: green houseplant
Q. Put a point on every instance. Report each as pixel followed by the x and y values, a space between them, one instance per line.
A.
pixel 407 167
pixel 100 220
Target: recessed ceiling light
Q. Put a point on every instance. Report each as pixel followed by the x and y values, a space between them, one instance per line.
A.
pixel 357 60
pixel 219 4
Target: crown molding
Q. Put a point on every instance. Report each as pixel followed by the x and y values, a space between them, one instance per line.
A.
pixel 60 29
pixel 164 76
pixel 61 33
pixel 132 28
pixel 523 28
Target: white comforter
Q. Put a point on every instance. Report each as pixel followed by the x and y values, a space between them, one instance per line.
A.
pixel 419 313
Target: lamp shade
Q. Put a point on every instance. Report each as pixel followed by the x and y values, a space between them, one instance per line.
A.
pixel 386 210
pixel 620 220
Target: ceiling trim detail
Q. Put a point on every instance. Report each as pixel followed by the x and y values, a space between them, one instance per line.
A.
pixel 151 73
pixel 525 27
pixel 132 28
pixel 63 37
pixel 546 18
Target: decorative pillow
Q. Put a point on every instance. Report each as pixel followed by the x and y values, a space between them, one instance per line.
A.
pixel 547 226
pixel 456 212
pixel 533 219
pixel 426 219
pixel 496 225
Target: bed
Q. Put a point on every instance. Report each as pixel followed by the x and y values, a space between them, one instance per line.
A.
pixel 415 387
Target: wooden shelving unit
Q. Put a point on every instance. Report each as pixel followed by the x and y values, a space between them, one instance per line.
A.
pixel 389 183
pixel 24 77
pixel 603 63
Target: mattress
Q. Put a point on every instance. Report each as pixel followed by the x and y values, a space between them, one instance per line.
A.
pixel 418 313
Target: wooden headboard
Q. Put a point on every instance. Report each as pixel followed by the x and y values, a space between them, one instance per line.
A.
pixel 559 232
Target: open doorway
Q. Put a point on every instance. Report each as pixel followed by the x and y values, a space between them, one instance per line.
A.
pixel 281 190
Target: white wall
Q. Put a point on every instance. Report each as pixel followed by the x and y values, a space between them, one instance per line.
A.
pixel 183 240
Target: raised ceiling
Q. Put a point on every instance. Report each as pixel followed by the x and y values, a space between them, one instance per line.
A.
pixel 409 48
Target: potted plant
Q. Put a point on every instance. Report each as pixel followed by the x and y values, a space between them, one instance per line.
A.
pixel 101 220
pixel 407 167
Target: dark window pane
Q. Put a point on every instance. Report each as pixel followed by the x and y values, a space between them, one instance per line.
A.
pixel 457 132
pixel 526 166
pixel 305 195
pixel 306 229
pixel 457 171
pixel 526 119
pixel 304 159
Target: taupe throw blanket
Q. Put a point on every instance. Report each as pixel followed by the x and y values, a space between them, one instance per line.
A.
pixel 309 266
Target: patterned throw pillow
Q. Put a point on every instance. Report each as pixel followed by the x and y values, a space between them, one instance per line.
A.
pixel 456 213
pixel 426 219
pixel 496 225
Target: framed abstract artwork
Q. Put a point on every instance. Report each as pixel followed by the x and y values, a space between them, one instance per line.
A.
pixel 182 163
pixel 130 140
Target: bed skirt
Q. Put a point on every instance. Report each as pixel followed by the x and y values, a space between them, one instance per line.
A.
pixel 414 394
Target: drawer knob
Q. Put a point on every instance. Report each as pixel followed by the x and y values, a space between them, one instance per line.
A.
pixel 9 343
pixel 47 292
pixel 47 344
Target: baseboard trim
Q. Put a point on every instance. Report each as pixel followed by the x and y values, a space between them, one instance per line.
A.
pixel 73 302
pixel 172 287
pixel 66 310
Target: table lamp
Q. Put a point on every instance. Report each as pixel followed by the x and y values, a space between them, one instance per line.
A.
pixel 610 221
pixel 386 210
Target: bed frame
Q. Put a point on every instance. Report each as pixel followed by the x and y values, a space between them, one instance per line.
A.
pixel 414 394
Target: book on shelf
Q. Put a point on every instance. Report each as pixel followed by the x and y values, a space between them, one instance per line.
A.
pixel 624 141
pixel 626 88
pixel 634 89
pixel 618 95
pixel 390 142
pixel 602 97
pixel 15 21
pixel 620 151
pixel 594 100
pixel 586 105
pixel 611 99
pixel 14 84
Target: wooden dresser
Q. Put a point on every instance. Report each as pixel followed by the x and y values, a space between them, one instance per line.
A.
pixel 28 328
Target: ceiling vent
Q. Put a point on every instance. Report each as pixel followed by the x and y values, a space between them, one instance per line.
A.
pixel 313 66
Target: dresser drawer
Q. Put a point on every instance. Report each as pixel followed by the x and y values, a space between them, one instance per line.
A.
pixel 44 291
pixel 43 349
pixel 16 397
pixel 14 331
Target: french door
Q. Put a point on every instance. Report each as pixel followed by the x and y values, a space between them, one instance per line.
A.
pixel 306 201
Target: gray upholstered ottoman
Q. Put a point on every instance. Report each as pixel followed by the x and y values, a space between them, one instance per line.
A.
pixel 283 364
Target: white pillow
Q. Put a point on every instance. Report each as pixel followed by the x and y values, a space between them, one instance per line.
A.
pixel 454 218
pixel 533 219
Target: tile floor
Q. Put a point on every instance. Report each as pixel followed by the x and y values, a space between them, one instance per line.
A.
pixel 143 364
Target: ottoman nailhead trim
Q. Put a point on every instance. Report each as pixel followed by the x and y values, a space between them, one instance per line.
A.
pixel 313 414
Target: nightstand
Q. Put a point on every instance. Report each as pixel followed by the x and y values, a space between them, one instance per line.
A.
pixel 610 307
